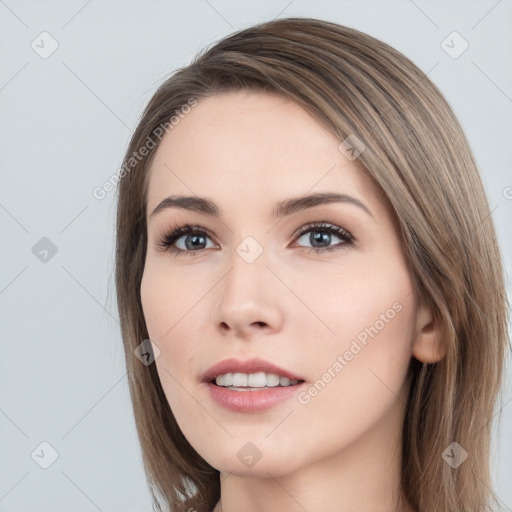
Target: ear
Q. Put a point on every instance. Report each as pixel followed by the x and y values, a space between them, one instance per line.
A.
pixel 428 346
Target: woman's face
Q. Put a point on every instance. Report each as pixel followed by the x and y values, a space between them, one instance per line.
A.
pixel 332 305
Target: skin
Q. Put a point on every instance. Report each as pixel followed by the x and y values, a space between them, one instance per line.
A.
pixel 247 151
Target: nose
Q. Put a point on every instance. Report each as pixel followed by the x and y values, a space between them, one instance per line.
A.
pixel 248 300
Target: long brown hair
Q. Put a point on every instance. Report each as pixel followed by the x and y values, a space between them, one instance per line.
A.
pixel 420 161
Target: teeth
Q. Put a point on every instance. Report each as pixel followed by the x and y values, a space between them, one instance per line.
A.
pixel 257 380
pixel 253 380
pixel 285 381
pixel 239 380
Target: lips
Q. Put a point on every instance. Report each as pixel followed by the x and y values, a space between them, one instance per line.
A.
pixel 253 365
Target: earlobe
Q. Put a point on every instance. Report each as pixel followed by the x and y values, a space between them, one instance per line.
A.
pixel 428 346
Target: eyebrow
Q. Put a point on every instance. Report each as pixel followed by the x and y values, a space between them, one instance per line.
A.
pixel 282 209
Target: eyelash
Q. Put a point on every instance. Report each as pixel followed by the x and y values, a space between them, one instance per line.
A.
pixel 177 231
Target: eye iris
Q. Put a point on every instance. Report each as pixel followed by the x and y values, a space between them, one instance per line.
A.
pixel 193 239
pixel 319 236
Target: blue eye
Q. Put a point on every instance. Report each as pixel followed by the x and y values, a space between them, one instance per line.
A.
pixel 324 233
pixel 195 238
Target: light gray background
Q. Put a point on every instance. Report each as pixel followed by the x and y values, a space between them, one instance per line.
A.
pixel 65 124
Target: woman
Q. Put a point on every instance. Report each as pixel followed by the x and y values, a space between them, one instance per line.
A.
pixel 303 235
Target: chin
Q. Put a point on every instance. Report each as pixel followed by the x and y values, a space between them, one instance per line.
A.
pixel 262 468
pixel 256 460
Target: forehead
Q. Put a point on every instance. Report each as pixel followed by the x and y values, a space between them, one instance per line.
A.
pixel 248 146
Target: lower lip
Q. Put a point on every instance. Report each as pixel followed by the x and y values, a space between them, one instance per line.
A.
pixel 251 401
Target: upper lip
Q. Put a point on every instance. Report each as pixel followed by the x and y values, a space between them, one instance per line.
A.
pixel 253 365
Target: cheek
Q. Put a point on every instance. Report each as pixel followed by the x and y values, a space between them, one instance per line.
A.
pixel 369 355
pixel 164 302
pixel 367 319
pixel 169 315
pixel 376 307
pixel 165 316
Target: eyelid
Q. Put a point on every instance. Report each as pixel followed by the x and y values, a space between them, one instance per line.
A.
pixel 319 225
